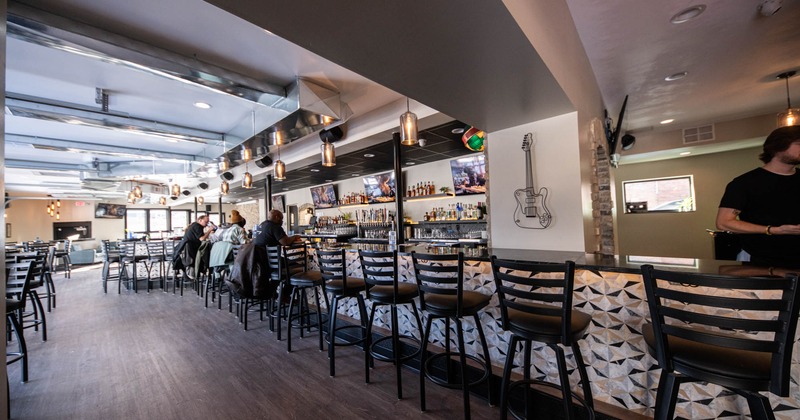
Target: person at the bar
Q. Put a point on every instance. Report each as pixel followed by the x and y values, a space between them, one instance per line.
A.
pixel 763 205
pixel 195 234
pixel 272 233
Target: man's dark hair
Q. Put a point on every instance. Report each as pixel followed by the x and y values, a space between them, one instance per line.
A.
pixel 779 140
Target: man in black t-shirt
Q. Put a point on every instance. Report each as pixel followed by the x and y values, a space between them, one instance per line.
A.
pixel 272 232
pixel 763 205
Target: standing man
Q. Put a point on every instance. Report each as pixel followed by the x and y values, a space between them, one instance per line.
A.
pixel 763 205
pixel 272 233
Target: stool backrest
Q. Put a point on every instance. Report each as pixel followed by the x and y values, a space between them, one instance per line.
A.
pixel 274 262
pixel 38 267
pixel 295 258
pixel 18 280
pixel 155 249
pixel 520 287
pixel 379 268
pixel 746 313
pixel 440 274
pixel 127 249
pixel 333 265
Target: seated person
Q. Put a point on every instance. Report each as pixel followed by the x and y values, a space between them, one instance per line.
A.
pixel 272 233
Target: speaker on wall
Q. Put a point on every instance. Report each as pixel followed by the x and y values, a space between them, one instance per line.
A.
pixel 264 161
pixel 208 207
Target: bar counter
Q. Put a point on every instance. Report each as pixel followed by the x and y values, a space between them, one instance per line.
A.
pixel 610 289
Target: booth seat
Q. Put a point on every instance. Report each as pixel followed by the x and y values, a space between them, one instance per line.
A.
pixel 79 256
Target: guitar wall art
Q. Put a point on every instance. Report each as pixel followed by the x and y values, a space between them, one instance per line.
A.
pixel 531 211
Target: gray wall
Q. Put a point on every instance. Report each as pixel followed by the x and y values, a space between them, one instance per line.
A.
pixel 680 234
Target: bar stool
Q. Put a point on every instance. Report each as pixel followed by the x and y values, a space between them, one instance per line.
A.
pixel 540 309
pixel 440 280
pixel 18 277
pixel 333 265
pixel 37 273
pixel 129 257
pixel 63 255
pixel 384 288
pixel 736 332
pixel 110 260
pixel 302 280
pixel 155 259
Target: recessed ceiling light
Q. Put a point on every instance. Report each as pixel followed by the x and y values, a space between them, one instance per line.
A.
pixel 314 170
pixel 369 155
pixel 202 105
pixel 74 122
pixel 286 188
pixel 676 76
pixel 411 163
pixel 328 180
pixel 354 175
pixel 171 140
pixel 685 153
pixel 457 131
pixel 688 14
pixel 667 121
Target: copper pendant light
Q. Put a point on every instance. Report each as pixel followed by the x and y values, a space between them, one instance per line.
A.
pixel 792 115
pixel 408 127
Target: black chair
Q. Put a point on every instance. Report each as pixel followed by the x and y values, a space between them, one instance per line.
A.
pixel 36 315
pixel 111 263
pixel 440 280
pixel 536 305
pixel 18 277
pixel 128 257
pixel 736 332
pixel 333 266
pixel 302 281
pixel 155 259
pixel 384 288
pixel 63 255
pixel 47 279
pixel 276 309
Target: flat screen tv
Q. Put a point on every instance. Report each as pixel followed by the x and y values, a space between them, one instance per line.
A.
pixel 323 196
pixel 380 188
pixel 109 211
pixel 469 175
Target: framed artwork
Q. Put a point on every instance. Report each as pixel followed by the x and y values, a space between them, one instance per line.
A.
pixel 278 204
pixel 8 230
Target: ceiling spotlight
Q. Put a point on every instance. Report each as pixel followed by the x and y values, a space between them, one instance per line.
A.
pixel 411 163
pixel 457 130
pixel 676 76
pixel 768 8
pixel 369 155
pixel 667 121
pixel 314 170
pixel 688 14
pixel 354 175
pixel 202 105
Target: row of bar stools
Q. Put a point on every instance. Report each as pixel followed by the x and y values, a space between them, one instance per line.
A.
pixel 302 281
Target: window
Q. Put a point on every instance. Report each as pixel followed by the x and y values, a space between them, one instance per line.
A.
pixel 158 220
pixel 180 219
pixel 674 194
pixel 136 220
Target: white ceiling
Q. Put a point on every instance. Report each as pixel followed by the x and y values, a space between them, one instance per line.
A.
pixel 469 61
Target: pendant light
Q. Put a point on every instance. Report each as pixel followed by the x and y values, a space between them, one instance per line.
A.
pixel 224 164
pixel 280 168
pixel 224 187
pixel 58 215
pixel 137 191
pixel 408 127
pixel 47 208
pixel 277 138
pixel 328 154
pixel 247 179
pixel 176 190
pixel 58 203
pixel 162 201
pixel 792 115
pixel 200 200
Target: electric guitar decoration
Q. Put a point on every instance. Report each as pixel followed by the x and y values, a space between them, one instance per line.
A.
pixel 531 211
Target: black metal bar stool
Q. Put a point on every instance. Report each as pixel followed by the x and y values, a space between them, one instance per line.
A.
pixel 18 277
pixel 736 332
pixel 539 308
pixel 302 280
pixel 384 288
pixel 110 261
pixel 333 265
pixel 440 279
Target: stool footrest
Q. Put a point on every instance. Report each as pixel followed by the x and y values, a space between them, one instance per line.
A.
pixel 384 358
pixel 575 396
pixel 454 385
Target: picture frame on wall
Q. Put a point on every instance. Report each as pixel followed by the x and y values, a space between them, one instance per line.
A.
pixel 8 230
pixel 278 203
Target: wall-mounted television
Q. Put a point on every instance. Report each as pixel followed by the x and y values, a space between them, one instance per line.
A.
pixel 109 211
pixel 380 188
pixel 469 175
pixel 323 196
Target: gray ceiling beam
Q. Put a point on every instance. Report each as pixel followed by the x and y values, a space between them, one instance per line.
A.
pixel 38 108
pixel 46 166
pixel 98 149
pixel 53 31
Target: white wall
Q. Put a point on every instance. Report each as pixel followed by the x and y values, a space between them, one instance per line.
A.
pixel 556 166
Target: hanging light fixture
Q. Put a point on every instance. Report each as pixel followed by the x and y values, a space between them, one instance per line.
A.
pixel 277 138
pixel 224 188
pixel 247 154
pixel 792 115
pixel 137 191
pixel 408 127
pixel 328 154
pixel 58 203
pixel 279 170
pixel 52 206
pixel 224 164
pixel 247 179
pixel 176 190
pixel 47 208
pixel 162 201
pixel 58 215
pixel 200 200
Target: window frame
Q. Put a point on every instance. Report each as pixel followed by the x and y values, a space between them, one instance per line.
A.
pixel 692 195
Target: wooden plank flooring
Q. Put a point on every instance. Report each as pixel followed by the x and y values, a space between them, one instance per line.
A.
pixel 160 356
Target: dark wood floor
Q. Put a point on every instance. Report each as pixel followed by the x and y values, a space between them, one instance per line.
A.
pixel 160 356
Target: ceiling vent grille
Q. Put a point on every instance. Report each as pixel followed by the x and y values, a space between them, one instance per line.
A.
pixel 699 134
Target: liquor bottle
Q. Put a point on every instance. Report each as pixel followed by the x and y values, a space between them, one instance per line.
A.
pixel 458 211
pixel 431 188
